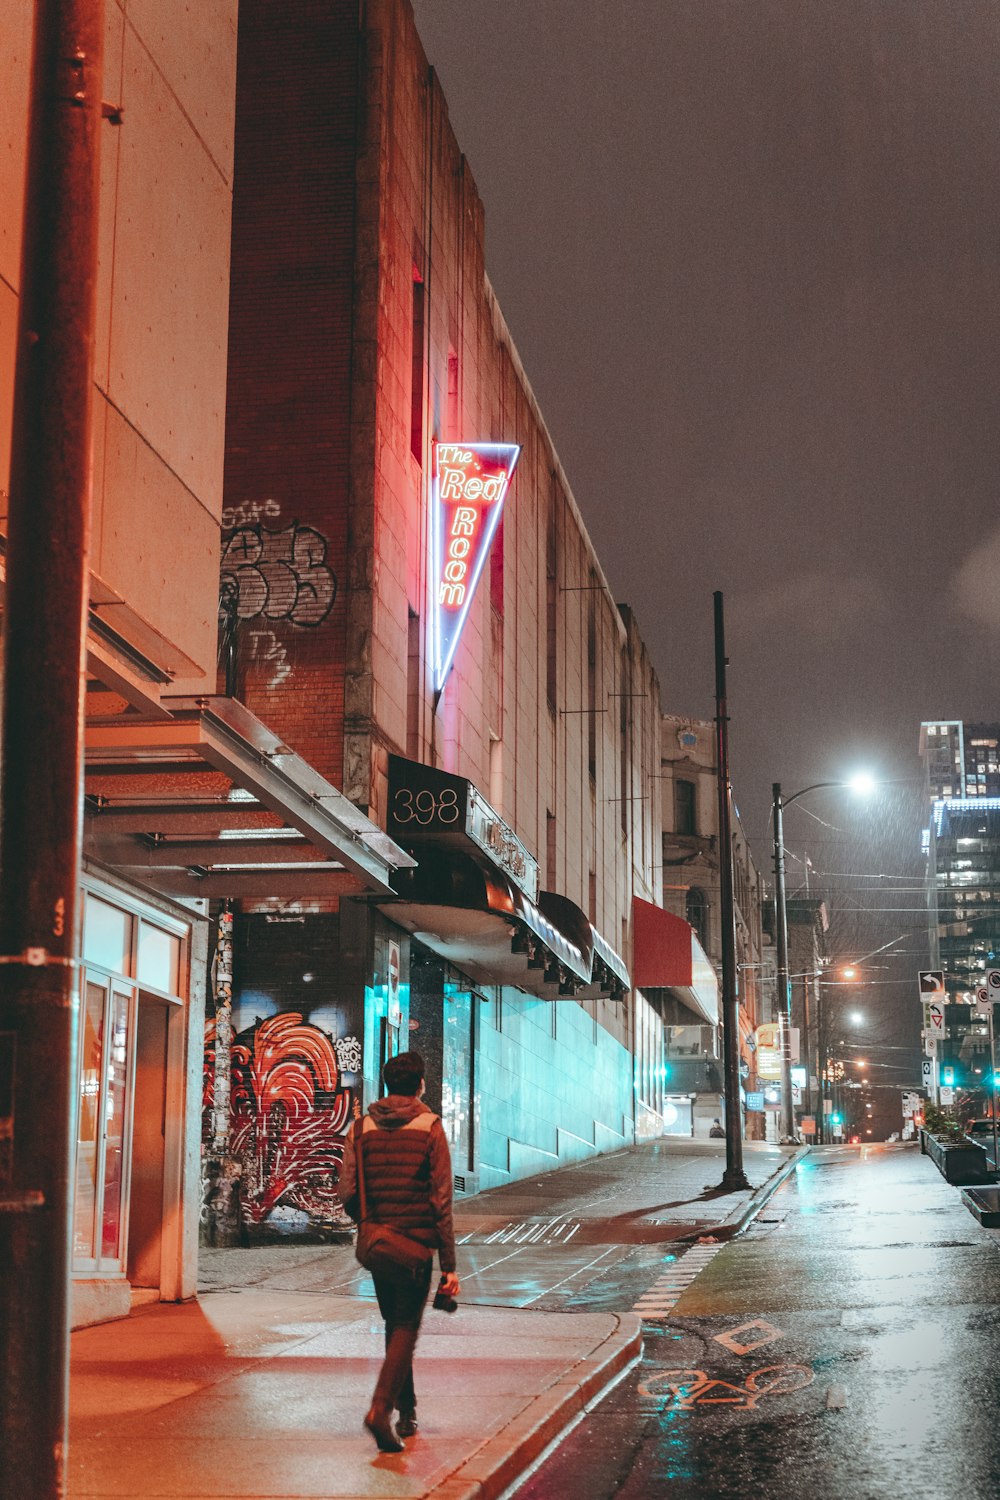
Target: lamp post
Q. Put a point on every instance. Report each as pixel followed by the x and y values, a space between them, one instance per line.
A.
pixel 778 805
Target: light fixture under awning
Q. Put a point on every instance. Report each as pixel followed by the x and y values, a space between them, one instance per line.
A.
pixel 208 802
pixel 668 956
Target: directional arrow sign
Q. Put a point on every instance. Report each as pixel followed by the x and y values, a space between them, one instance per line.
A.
pixel 930 982
pixel 935 1017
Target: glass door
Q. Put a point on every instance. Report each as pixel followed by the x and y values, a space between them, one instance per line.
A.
pixel 104 1128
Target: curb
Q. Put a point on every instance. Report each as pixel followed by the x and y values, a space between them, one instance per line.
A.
pixel 504 1459
pixel 738 1220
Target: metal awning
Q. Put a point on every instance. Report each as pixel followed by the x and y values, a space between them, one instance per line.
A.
pixel 208 802
pixel 467 910
pixel 475 898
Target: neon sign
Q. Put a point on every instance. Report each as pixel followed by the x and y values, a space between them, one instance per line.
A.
pixel 470 482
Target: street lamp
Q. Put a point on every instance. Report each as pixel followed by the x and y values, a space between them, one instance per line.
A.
pixel 862 782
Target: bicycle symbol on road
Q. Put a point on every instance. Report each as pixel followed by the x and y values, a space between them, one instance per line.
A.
pixel 686 1389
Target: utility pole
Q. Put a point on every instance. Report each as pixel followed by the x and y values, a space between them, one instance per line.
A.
pixel 40 822
pixel 784 984
pixel 734 1179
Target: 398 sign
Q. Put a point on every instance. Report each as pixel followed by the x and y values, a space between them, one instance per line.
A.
pixel 424 808
pixel 424 800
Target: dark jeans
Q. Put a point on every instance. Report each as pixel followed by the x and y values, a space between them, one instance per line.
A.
pixel 401 1304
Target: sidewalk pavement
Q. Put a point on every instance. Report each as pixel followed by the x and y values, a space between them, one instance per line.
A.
pixel 257 1393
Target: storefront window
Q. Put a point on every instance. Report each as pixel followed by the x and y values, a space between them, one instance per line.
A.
pixel 158 958
pixel 107 936
pixel 102 1137
pixel 91 1052
pixel 115 1126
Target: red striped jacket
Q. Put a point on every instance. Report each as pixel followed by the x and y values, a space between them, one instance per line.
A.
pixel 408 1178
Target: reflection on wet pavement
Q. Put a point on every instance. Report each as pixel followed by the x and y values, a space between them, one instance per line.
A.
pixel 843 1350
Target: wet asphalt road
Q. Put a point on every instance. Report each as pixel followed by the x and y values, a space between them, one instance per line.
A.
pixel 845 1347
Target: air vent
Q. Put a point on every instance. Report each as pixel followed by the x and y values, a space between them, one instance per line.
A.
pixel 459 1184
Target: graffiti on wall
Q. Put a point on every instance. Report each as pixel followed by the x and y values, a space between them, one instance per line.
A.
pixel 277 574
pixel 289 1112
pixel 269 651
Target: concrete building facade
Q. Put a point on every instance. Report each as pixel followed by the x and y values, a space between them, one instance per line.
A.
pixel 174 775
pixel 368 362
pixel 691 889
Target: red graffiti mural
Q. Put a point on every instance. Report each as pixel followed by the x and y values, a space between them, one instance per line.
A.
pixel 288 1114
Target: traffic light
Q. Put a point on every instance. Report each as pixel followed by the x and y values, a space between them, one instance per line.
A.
pixel 948 1077
pixel 836 1119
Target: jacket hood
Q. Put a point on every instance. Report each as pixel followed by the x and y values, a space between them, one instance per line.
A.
pixel 397 1109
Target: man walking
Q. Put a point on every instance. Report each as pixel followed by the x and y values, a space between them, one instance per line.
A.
pixel 408 1186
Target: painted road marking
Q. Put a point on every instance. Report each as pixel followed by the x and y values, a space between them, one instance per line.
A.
pixel 768 1334
pixel 686 1389
pixel 836 1398
pixel 658 1300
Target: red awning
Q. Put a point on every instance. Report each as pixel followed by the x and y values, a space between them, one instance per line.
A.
pixel 666 955
pixel 661 947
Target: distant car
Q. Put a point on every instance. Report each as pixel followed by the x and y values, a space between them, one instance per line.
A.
pixel 981 1127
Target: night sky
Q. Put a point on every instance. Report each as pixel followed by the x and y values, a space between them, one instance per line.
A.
pixel 747 250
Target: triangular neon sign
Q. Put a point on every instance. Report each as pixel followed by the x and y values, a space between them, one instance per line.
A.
pixel 469 484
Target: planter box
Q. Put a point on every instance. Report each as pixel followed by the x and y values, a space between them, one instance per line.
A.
pixel 961 1162
pixel 985 1204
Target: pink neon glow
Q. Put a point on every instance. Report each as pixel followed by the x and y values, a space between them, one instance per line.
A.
pixel 470 483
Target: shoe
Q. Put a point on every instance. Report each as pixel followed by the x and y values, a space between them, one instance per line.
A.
pixel 406 1426
pixel 379 1424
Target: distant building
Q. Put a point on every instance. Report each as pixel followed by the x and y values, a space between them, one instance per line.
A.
pixel 962 769
pixel 691 890
pixel 812 1014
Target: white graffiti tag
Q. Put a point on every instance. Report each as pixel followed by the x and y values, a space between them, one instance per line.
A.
pixel 281 575
pixel 349 1054
pixel 268 649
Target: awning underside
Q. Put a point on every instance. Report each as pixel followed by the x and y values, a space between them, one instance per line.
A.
pixel 209 803
pixel 469 913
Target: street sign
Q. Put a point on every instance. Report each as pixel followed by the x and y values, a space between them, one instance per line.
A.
pixel 807 1125
pixel 934 1017
pixel 947 1096
pixel 755 1103
pixel 927 1070
pixel 984 1004
pixel 769 1050
pixel 993 983
pixel 930 982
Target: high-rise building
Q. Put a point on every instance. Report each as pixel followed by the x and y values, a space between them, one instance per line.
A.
pixel 960 760
pixel 962 769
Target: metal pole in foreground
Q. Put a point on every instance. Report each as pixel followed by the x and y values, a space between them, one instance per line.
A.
pixel 734 1178
pixel 784 987
pixel 40 835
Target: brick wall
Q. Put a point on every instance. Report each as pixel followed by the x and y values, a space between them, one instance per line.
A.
pixel 289 400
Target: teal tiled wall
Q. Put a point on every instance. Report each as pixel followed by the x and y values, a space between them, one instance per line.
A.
pixel 547 1100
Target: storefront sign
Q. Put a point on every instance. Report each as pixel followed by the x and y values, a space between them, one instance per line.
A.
pixel 393 1008
pixel 470 481
pixel 502 844
pixel 769 1049
pixel 755 1103
pixel 427 803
